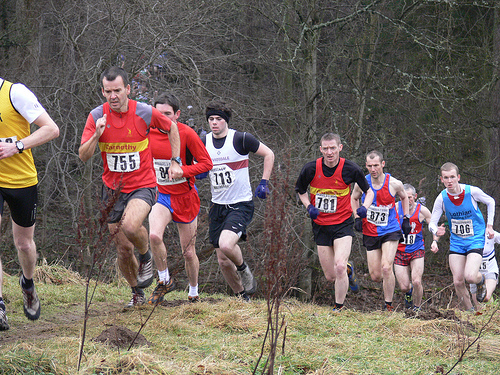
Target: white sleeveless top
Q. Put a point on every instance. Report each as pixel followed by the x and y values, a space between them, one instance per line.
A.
pixel 229 178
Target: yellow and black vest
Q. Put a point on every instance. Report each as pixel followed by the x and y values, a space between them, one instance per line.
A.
pixel 17 171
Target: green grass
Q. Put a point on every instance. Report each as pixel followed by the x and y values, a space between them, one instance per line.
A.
pixel 224 336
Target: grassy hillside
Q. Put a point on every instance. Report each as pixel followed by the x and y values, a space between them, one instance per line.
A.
pixel 223 335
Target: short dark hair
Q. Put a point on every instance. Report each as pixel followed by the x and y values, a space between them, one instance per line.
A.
pixel 168 98
pixel 330 137
pixel 373 154
pixel 218 106
pixel 112 72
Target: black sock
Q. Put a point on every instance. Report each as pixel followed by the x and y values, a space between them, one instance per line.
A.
pixel 242 267
pixel 339 305
pixel 388 303
pixel 145 257
pixel 26 283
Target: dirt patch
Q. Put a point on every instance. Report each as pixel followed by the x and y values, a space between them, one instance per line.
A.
pixel 432 313
pixel 121 337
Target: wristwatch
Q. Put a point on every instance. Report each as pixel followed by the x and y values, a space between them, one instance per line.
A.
pixel 177 159
pixel 20 146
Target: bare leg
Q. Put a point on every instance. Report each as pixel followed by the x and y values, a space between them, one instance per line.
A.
pixel 187 235
pixel 26 248
pixel 457 266
pixel 159 218
pixel 417 270
pixel 389 249
pixel 229 255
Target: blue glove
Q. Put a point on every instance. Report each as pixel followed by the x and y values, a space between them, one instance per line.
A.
pixel 201 176
pixel 262 190
pixel 313 211
pixel 361 212
pixel 358 224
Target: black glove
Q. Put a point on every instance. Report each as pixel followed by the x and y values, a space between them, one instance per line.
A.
pixel 361 212
pixel 358 224
pixel 313 211
pixel 406 226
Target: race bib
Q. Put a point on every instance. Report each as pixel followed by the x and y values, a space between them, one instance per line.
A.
pixel 221 177
pixel 410 239
pixel 9 139
pixel 462 228
pixel 161 169
pixel 128 162
pixel 326 203
pixel 378 216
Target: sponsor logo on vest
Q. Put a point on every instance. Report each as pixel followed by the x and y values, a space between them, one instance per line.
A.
pixel 117 148
pixel 224 158
pixel 460 213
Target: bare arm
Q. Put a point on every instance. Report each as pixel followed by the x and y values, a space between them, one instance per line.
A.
pixel 400 191
pixel 355 197
pixel 175 170
pixel 268 155
pixel 304 198
pixel 87 149
pixel 47 131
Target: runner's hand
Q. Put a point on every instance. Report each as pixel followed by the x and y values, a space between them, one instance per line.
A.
pixel 358 224
pixel 361 212
pixel 406 226
pixel 262 190
pixel 313 211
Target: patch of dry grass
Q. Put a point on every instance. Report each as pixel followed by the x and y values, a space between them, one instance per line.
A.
pixel 223 335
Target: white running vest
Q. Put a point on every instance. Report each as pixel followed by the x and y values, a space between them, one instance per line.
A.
pixel 229 178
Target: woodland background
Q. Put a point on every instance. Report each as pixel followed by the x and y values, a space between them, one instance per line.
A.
pixel 416 80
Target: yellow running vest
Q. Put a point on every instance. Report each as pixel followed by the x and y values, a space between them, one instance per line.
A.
pixel 19 170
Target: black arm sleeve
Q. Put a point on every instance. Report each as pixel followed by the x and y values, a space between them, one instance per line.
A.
pixel 244 143
pixel 353 173
pixel 305 177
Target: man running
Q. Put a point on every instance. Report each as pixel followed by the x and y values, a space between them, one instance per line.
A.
pixel 409 261
pixel 328 203
pixel 459 202
pixel 19 108
pixel 232 206
pixel 380 227
pixel 178 199
pixel 120 127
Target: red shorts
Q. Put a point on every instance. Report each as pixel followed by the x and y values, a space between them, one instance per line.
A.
pixel 184 207
pixel 404 259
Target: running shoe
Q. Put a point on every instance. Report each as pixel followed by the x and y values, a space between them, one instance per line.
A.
pixel 409 299
pixel 137 299
pixel 243 296
pixel 4 322
pixel 481 290
pixel 248 281
pixel 353 282
pixel 31 302
pixel 337 310
pixel 194 299
pixel 145 275
pixel 389 308
pixel 160 291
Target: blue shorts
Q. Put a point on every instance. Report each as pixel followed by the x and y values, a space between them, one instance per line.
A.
pixel 183 207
